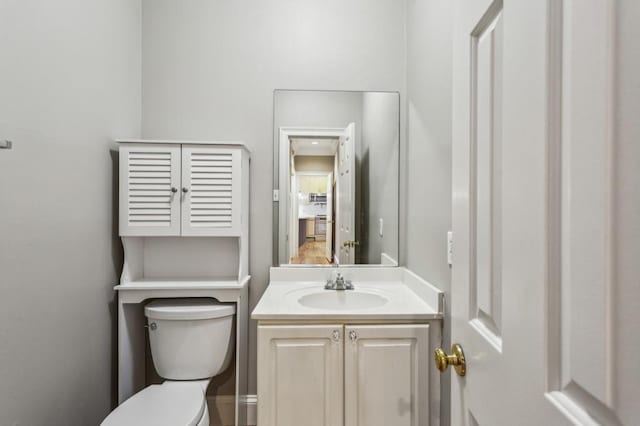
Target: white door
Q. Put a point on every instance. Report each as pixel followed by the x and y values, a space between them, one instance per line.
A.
pixel 345 211
pixel 294 220
pixel 329 223
pixel 300 375
pixel 211 184
pixel 149 189
pixel 387 375
pixel 545 213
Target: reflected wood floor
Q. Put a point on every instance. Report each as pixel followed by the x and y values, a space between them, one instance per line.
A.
pixel 311 253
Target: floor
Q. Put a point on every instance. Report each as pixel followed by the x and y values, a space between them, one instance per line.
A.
pixel 311 253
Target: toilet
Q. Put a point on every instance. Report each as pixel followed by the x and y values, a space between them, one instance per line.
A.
pixel 191 341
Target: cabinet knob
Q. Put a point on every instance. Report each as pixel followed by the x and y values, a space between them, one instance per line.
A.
pixel 185 190
pixel 174 189
pixel 335 336
pixel 353 336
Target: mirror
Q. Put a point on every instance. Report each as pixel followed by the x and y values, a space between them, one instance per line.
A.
pixel 336 180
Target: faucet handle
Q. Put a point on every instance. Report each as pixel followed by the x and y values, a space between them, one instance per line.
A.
pixel 329 285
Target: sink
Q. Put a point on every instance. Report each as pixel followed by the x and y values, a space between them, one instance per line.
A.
pixel 342 300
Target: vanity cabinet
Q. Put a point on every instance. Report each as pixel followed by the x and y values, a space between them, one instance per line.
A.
pixel 300 377
pixel 181 189
pixel 342 374
pixel 386 375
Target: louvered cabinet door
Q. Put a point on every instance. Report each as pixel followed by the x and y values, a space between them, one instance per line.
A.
pixel 149 190
pixel 210 191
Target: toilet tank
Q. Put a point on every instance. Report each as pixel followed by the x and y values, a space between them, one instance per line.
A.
pixel 190 339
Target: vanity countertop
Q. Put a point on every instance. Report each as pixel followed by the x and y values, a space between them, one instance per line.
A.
pixel 381 293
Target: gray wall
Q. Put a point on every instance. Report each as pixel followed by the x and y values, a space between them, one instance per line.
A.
pixel 428 155
pixel 314 163
pixel 380 167
pixel 209 69
pixel 69 84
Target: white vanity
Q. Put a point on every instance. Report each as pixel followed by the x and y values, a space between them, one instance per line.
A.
pixel 357 351
pixel 360 357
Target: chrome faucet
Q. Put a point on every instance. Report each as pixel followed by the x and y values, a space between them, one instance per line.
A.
pixel 338 284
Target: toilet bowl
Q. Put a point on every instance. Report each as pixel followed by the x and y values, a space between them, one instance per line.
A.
pixel 191 341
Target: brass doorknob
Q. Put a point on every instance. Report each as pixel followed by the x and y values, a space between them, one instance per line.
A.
pixel 456 359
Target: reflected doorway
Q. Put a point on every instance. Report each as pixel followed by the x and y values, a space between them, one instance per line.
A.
pixel 313 165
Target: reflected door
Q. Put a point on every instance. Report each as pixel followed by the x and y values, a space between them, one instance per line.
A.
pixel 346 196
pixel 329 235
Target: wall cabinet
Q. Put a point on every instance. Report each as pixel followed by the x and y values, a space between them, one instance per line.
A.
pixel 180 189
pixel 352 375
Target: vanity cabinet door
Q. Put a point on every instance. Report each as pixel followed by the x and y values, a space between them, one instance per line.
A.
pixel 211 187
pixel 387 375
pixel 149 185
pixel 300 375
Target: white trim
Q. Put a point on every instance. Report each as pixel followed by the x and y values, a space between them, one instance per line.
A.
pixel 387 260
pixel 170 141
pixel 250 402
pixel 284 171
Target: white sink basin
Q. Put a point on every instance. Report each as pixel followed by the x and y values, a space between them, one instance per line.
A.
pixel 342 300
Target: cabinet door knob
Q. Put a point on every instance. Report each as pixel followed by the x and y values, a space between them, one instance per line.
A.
pixel 353 336
pixel 185 190
pixel 174 189
pixel 335 336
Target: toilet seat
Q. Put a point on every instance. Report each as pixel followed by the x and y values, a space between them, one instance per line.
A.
pixel 168 404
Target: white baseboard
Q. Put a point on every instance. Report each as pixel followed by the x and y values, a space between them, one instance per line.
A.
pixel 250 405
pixel 222 410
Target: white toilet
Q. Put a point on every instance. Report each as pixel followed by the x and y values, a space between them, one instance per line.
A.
pixel 191 341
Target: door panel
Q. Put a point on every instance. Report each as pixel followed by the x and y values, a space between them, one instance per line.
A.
pixel 149 181
pixel 387 375
pixel 586 335
pixel 210 192
pixel 539 219
pixel 300 375
pixel 486 51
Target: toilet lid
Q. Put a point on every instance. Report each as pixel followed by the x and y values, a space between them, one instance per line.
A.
pixel 169 404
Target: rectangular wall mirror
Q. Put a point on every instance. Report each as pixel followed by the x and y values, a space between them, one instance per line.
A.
pixel 336 180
